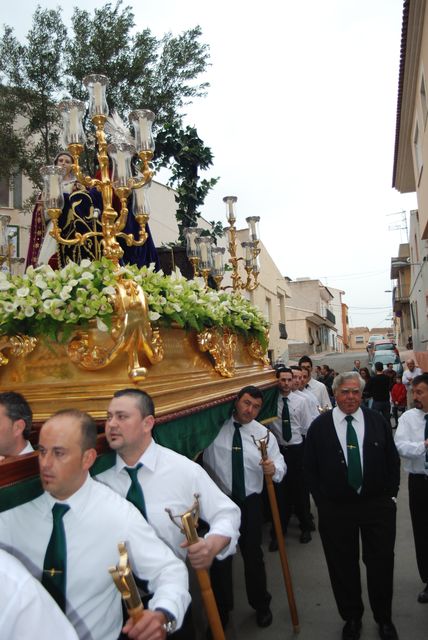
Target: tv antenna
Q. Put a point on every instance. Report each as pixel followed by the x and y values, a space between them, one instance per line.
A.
pixel 401 225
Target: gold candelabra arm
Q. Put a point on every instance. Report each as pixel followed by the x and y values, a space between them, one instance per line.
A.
pixel 125 582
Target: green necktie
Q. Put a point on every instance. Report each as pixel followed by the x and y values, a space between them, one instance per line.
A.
pixel 355 474
pixel 135 492
pixel 286 425
pixel 55 564
pixel 426 438
pixel 238 478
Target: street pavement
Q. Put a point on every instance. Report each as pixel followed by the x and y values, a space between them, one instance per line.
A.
pixel 318 616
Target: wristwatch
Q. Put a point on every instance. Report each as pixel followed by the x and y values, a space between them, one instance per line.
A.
pixel 171 623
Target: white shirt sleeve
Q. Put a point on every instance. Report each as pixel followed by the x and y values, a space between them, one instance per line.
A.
pixel 27 610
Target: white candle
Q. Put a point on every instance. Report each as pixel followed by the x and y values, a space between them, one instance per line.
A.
pixel 121 167
pixel 144 133
pixel 98 97
pixel 54 190
pixel 204 252
pixel 253 234
pixel 217 261
pixel 74 124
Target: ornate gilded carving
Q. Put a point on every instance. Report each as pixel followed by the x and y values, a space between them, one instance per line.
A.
pixel 131 333
pixel 221 345
pixel 19 345
pixel 256 350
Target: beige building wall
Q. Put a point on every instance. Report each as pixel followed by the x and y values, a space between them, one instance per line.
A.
pixel 358 338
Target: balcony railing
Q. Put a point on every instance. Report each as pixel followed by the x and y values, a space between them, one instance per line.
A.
pixel 401 293
pixel 330 316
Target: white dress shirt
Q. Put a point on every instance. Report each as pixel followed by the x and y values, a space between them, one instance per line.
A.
pixel 98 519
pixel 320 392
pixel 408 376
pixel 27 449
pixel 171 480
pixel 27 610
pixel 340 424
pixel 410 440
pixel 218 457
pixel 312 402
pixel 299 419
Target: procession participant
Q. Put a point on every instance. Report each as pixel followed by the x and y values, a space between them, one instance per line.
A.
pixel 15 425
pixel 304 388
pixel 353 472
pixel 318 388
pixel 300 378
pixel 408 376
pixel 233 461
pixel 165 479
pixel 411 440
pixel 27 606
pixel 292 422
pixel 76 525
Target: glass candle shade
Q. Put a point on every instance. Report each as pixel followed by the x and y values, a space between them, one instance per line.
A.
pixel 97 85
pixel 52 187
pixel 217 254
pixel 248 254
pixel 203 245
pixel 142 121
pixel 72 128
pixel 253 226
pixel 230 208
pixel 256 265
pixel 141 201
pixel 191 233
pixel 121 155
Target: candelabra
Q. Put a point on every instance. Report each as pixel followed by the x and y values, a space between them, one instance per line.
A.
pixel 208 260
pixel 121 183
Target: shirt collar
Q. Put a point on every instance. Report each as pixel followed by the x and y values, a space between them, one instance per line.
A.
pixel 147 459
pixel 77 501
pixel 357 416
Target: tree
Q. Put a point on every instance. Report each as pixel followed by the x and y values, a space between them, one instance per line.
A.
pixel 143 71
pixel 184 153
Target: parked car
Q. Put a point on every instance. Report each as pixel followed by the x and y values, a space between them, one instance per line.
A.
pixel 385 345
pixel 385 357
pixel 371 341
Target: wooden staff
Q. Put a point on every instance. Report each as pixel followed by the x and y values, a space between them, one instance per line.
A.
pixel 262 446
pixel 189 524
pixel 124 581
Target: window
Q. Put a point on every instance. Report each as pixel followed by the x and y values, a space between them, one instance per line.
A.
pixel 4 192
pixel 268 309
pixel 424 103
pixel 359 339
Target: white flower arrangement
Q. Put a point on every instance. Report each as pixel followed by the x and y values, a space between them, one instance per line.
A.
pixel 53 303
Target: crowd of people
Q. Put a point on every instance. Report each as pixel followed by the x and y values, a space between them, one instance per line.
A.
pixel 324 441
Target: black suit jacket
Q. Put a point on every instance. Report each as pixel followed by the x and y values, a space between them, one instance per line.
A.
pixel 326 470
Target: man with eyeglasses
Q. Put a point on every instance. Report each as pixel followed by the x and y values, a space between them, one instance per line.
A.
pixel 353 472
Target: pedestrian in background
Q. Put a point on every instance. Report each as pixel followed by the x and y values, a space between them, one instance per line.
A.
pixel 398 398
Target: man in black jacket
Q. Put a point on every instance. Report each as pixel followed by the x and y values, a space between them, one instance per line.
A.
pixel 352 469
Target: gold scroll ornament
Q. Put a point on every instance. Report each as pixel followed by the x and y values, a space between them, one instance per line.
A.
pixel 19 346
pixel 221 345
pixel 131 332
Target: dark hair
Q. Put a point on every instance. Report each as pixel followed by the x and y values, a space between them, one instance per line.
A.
pixel 378 366
pixel 366 371
pixel 305 359
pixel 144 401
pixel 254 392
pixel 17 408
pixel 283 370
pixel 295 367
pixel 423 377
pixel 88 427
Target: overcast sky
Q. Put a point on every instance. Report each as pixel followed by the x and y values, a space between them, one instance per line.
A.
pixel 300 117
